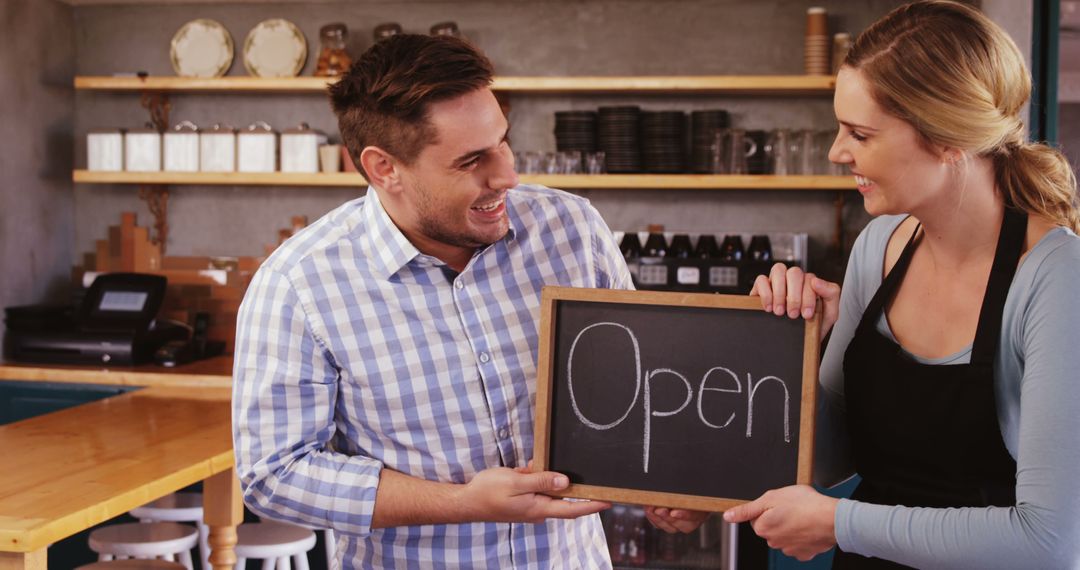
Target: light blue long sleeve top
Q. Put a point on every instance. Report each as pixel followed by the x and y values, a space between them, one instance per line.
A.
pixel 1037 385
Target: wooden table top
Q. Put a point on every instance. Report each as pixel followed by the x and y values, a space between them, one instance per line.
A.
pixel 69 470
pixel 212 372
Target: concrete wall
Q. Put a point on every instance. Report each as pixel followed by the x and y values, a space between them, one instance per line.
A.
pixel 36 203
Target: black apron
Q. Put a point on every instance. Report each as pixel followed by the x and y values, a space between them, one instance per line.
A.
pixel 928 435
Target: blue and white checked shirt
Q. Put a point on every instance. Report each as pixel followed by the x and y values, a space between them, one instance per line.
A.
pixel 355 351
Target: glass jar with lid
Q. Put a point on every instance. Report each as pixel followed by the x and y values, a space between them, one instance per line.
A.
pixel 333 59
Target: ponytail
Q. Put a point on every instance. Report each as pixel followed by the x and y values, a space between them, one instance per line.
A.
pixel 1038 180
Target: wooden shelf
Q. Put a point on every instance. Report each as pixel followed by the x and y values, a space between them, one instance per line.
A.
pixel 671 85
pixel 570 181
pixel 220 178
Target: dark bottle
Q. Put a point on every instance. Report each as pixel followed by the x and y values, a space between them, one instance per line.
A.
pixel 706 247
pixel 732 248
pixel 760 248
pixel 759 261
pixel 631 251
pixel 684 270
pixel 653 272
pixel 680 247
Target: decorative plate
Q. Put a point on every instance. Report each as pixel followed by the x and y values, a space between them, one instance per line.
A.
pixel 201 48
pixel 275 48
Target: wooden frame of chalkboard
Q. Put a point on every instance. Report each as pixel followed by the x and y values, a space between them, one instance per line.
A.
pixel 649 341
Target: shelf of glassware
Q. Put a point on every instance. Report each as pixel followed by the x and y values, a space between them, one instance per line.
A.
pixel 675 85
pixel 571 181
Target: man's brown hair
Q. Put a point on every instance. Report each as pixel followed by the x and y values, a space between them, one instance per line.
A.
pixel 383 100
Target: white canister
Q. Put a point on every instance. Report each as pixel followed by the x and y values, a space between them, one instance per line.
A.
pixel 142 150
pixel 300 149
pixel 256 148
pixel 105 150
pixel 181 146
pixel 217 149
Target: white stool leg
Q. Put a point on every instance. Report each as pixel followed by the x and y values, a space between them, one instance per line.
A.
pixel 185 559
pixel 269 564
pixel 301 561
pixel 204 545
pixel 331 547
pixel 240 563
pixel 284 564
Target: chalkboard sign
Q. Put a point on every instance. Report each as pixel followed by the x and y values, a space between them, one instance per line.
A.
pixel 673 399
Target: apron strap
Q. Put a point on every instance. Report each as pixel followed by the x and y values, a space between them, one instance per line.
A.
pixel 1009 249
pixel 890 282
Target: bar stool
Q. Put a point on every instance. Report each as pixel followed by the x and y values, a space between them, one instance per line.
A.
pixel 133 565
pixel 330 543
pixel 145 540
pixel 275 543
pixel 178 507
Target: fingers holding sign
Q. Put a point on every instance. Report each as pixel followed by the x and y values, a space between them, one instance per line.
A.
pixel 675 520
pixel 789 291
pixel 796 520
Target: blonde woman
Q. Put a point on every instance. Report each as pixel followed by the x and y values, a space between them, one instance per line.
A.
pixel 952 377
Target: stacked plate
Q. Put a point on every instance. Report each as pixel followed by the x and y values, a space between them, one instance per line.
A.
pixel 617 136
pixel 575 130
pixel 704 125
pixel 663 135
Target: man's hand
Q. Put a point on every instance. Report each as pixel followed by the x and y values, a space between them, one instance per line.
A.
pixel 796 520
pixel 675 520
pixel 501 494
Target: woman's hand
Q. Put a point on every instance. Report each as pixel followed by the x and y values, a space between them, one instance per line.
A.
pixel 675 520
pixel 790 291
pixel 795 520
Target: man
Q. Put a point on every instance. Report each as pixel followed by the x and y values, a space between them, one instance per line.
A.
pixel 385 361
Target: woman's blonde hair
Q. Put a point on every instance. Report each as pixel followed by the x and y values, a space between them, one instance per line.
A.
pixel 959 79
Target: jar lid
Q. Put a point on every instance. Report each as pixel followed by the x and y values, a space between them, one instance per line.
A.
pixel 220 129
pixel 301 129
pixel 336 29
pixel 185 127
pixel 386 30
pixel 259 127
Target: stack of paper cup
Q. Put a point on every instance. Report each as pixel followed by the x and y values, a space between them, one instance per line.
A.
pixel 817 42
pixel 840 48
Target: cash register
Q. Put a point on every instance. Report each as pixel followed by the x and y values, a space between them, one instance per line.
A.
pixel 116 324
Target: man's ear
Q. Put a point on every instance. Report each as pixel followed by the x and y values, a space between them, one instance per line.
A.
pixel 382 168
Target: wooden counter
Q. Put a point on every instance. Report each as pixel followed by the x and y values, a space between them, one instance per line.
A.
pixel 70 470
pixel 210 373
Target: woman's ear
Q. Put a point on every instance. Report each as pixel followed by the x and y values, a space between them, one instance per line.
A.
pixel 951 156
pixel 381 168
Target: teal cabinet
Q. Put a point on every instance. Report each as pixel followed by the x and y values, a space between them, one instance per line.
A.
pixel 22 400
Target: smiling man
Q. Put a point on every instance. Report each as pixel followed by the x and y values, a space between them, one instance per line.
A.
pixel 385 361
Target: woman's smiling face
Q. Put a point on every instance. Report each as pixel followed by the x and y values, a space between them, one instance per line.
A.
pixel 895 171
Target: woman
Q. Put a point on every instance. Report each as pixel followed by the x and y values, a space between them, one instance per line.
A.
pixel 953 367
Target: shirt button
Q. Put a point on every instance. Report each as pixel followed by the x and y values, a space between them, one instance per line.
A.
pixel 504 433
pixel 484 357
pixel 459 285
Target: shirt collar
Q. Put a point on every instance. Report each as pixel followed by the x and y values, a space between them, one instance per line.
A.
pixel 391 250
